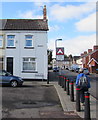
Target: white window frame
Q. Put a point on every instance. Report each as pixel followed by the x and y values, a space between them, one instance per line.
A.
pixel 29 39
pixel 11 39
pixel 1 39
pixel 28 61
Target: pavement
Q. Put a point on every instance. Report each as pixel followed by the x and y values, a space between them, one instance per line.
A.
pixel 69 106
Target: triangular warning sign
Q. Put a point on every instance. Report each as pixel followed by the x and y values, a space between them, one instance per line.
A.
pixel 60 52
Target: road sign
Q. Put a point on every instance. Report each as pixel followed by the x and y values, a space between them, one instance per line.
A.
pixel 60 53
pixel 59 57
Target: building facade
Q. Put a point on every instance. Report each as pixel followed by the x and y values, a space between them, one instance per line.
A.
pixel 26 47
pixel 90 59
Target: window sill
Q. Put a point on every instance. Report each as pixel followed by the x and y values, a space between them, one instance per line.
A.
pixel 29 71
pixel 28 47
pixel 11 47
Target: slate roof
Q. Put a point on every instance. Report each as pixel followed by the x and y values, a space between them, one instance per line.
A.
pixel 23 24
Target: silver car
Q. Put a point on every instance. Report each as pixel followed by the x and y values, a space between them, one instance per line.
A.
pixel 8 79
pixel 86 71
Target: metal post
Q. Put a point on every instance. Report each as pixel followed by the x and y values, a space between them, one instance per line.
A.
pixel 72 91
pixel 78 99
pixel 64 83
pixel 48 78
pixel 67 90
pixel 87 106
pixel 60 79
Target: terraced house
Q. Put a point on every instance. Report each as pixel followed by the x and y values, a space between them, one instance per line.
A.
pixel 90 59
pixel 25 46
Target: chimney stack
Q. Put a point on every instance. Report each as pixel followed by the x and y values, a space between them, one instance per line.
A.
pixel 85 52
pixel 44 13
pixel 82 54
pixel 89 50
pixel 95 47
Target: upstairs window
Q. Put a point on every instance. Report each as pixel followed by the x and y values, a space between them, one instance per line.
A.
pixel 28 41
pixel 10 40
pixel 1 41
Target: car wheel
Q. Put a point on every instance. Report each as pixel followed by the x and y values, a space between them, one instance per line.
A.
pixel 14 83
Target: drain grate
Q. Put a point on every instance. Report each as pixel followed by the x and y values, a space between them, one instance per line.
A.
pixel 34 104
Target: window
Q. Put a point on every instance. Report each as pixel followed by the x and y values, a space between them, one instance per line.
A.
pixel 10 40
pixel 1 41
pixel 28 41
pixel 29 64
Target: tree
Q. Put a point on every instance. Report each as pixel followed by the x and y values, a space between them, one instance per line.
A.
pixel 49 56
pixel 65 56
pixel 70 57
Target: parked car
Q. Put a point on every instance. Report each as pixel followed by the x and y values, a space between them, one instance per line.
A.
pixel 97 70
pixel 67 68
pixel 55 69
pixel 77 70
pixel 86 71
pixel 8 79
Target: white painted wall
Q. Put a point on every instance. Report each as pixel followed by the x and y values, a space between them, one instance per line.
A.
pixel 39 52
pixel 79 62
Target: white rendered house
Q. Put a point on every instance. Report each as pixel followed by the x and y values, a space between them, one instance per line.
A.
pixel 26 47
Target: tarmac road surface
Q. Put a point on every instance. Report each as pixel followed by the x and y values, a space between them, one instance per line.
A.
pixel 32 100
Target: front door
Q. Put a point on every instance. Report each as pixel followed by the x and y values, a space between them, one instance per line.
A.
pixel 10 65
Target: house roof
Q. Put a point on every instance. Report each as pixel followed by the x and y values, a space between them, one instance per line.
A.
pixel 96 61
pixel 89 53
pixel 23 24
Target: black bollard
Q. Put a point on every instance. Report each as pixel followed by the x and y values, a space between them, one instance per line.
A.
pixel 67 87
pixel 87 106
pixel 72 91
pixel 78 99
pixel 64 83
pixel 60 80
pixel 48 78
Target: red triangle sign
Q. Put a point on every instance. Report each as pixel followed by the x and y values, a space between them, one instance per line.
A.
pixel 60 52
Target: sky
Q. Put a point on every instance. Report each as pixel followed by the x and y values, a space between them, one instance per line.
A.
pixel 74 22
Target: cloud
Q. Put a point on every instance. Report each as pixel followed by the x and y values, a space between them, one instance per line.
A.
pixel 76 45
pixel 54 28
pixel 29 15
pixel 87 24
pixel 48 0
pixel 62 13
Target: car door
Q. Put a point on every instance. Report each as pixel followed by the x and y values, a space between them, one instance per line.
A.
pixel 5 77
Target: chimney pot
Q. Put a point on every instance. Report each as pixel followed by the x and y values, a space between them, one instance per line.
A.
pixel 89 50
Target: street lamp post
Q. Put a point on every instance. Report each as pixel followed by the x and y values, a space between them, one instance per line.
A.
pixel 56 46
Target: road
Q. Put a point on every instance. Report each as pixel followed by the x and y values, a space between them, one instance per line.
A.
pixel 72 76
pixel 34 100
pixel 31 100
